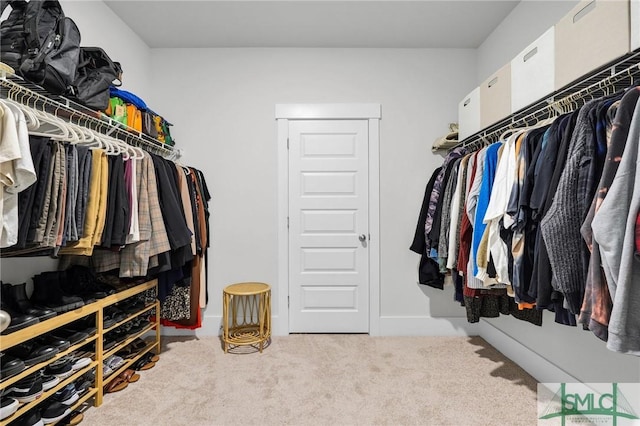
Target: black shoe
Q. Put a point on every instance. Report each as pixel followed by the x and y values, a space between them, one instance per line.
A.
pixel 32 353
pixel 10 366
pixel 30 418
pixel 55 412
pixel 48 292
pixel 16 297
pixel 8 406
pixel 67 395
pixel 81 281
pixel 59 343
pixel 27 390
pixel 73 336
pixel 61 368
pixel 18 320
pixel 85 325
pixel 49 381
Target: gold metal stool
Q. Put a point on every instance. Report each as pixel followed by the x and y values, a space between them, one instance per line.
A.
pixel 246 315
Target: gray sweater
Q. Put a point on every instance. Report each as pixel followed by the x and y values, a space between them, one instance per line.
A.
pixel 560 226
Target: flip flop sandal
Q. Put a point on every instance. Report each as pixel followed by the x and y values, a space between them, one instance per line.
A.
pixel 151 356
pixel 148 366
pixel 116 385
pixel 130 375
pixel 72 419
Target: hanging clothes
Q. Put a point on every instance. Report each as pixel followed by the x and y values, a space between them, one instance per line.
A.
pixel 541 213
pixel 141 216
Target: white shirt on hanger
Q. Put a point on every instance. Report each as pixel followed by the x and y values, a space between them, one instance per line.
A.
pixel 16 170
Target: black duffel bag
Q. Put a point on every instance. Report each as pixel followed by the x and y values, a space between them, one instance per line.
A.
pixel 96 72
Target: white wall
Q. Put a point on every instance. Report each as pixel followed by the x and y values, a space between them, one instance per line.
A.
pixel 575 352
pixel 223 107
pixel 98 26
pixel 526 22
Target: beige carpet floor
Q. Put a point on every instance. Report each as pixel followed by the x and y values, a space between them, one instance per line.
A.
pixel 326 380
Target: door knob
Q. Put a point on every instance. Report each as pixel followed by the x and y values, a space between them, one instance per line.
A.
pixel 362 238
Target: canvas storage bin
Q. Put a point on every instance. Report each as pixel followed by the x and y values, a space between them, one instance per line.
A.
pixel 495 97
pixel 469 114
pixel 635 24
pixel 593 34
pixel 533 72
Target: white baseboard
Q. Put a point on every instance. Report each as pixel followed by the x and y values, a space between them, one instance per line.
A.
pixel 212 326
pixel 426 326
pixel 533 363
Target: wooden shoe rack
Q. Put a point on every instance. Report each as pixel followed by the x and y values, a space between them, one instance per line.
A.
pixel 96 392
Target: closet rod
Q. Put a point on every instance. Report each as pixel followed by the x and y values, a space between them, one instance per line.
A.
pixel 14 88
pixel 571 97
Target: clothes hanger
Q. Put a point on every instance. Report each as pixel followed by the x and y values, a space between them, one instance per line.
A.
pixel 50 126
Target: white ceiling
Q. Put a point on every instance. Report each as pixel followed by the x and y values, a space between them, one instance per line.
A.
pixel 305 23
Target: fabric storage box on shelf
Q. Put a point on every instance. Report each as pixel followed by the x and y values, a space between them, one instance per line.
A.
pixel 634 11
pixel 532 72
pixel 469 114
pixel 495 97
pixel 593 34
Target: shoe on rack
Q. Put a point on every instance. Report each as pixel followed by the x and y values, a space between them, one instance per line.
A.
pixel 82 281
pixel 23 385
pixel 55 412
pixel 18 321
pixel 85 325
pixel 16 297
pixel 10 366
pixel 73 336
pixel 49 381
pixel 67 395
pixel 30 418
pixel 80 359
pixel 59 343
pixel 48 292
pixel 131 305
pixel 32 353
pixel 61 368
pixel 8 406
pixel 25 393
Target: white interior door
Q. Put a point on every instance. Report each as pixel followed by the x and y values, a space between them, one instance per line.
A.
pixel 328 226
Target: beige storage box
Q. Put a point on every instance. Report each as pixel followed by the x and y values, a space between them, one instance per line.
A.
pixel 495 97
pixel 469 114
pixel 594 33
pixel 635 24
pixel 533 72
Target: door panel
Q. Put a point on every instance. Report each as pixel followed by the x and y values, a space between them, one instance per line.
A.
pixel 328 212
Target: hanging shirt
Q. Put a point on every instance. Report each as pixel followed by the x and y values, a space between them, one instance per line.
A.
pixel 438 187
pixel 479 226
pixel 457 201
pixel 17 174
pixel 614 229
pixel 561 225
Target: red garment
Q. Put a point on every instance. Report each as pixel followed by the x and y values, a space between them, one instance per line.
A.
pixel 638 234
pixel 466 231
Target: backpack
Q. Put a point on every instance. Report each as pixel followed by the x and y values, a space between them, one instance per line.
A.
pixel 96 72
pixel 50 45
pixel 12 44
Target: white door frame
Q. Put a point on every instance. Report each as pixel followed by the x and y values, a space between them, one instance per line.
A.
pixel 286 112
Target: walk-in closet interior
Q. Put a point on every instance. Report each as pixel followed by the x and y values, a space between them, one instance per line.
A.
pixel 401 170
